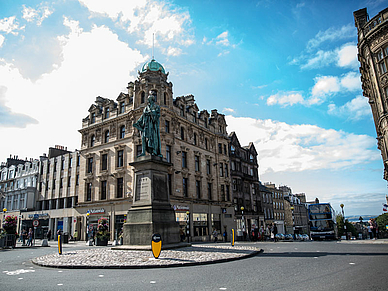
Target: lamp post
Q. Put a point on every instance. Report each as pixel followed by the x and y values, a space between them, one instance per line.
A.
pixel 343 217
pixel 188 225
pixel 4 211
pixel 293 220
pixel 87 226
pixel 242 220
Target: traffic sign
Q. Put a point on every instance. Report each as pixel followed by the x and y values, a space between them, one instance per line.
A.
pixel 35 223
pixel 156 245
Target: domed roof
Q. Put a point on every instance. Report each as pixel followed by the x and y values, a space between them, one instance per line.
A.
pixel 152 66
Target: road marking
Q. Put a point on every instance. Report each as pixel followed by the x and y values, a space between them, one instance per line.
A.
pixel 223 288
pixel 60 284
pixel 352 263
pixel 152 282
pixel 315 257
pixel 20 278
pixel 100 276
pixel 60 271
pixel 17 272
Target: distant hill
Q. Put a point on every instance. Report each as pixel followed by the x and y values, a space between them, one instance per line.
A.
pixel 356 217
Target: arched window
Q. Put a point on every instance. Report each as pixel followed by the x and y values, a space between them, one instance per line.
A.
pixel 122 131
pixel 92 140
pixel 106 136
pixel 142 97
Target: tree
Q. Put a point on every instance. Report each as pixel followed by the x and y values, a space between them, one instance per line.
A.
pixel 382 221
pixel 340 225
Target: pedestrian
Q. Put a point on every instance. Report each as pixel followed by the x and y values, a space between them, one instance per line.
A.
pixel 275 232
pixel 225 236
pixel 182 234
pixel 370 228
pixel 215 235
pixel 374 228
pixel 262 233
pixel 24 236
pixel 49 234
pixel 75 235
pixel 30 237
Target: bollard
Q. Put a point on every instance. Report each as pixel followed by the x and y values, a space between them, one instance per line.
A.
pixel 232 237
pixel 59 244
pixel 156 245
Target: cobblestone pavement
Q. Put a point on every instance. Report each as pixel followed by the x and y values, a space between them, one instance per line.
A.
pixel 108 258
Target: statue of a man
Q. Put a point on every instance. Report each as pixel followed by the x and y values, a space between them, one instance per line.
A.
pixel 148 125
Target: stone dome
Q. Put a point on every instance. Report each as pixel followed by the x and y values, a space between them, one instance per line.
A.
pixel 152 66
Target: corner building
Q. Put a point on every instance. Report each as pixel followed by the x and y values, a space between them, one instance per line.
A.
pixel 194 141
pixel 373 58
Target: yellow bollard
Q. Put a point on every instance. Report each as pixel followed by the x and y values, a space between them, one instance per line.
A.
pixel 232 237
pixel 59 244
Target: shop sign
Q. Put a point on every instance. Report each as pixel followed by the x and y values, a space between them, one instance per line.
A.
pixel 97 211
pixel 181 208
pixel 39 215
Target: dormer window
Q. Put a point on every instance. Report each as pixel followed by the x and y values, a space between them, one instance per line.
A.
pixel 106 112
pixel 122 107
pixel 93 118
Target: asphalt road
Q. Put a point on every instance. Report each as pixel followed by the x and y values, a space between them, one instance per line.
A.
pixel 282 266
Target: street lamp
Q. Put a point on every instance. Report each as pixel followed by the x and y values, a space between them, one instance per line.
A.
pixel 188 225
pixel 343 217
pixel 87 225
pixel 242 218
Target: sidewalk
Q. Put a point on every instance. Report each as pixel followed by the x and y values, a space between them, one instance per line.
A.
pixel 365 241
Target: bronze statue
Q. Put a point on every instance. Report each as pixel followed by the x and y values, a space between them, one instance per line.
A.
pixel 148 125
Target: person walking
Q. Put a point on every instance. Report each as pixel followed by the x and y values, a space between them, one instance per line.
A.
pixel 215 235
pixel 23 235
pixel 30 237
pixel 275 232
pixel 49 235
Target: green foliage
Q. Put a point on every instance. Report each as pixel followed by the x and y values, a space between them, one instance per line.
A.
pixel 382 221
pixel 340 225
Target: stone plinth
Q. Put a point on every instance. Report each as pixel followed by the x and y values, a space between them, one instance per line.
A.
pixel 151 211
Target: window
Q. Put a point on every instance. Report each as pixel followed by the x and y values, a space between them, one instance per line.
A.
pixel 206 146
pixel 168 153
pixel 62 164
pixel 93 118
pixel 169 179
pixel 122 131
pixel 89 192
pixel 61 183
pixel 227 193
pixel 103 190
pixel 77 180
pixel 198 189
pixel 70 162
pixel 69 181
pixel 167 126
pixel 226 170
pixel 107 112
pixel 120 158
pixel 382 58
pixel 182 133
pixel 54 183
pixel 185 187
pixel 195 138
pixel 234 184
pixel 122 107
pixel 220 148
pixel 142 100
pixel 208 167
pixel 78 160
pixel 106 136
pixel 92 140
pixel 90 165
pixel 225 153
pixel 55 166
pixel 138 150
pixel 104 162
pixel 120 188
pixel 196 162
pixel 184 160
pixel 209 191
pixel 221 169
pixel 223 192
pixel 165 98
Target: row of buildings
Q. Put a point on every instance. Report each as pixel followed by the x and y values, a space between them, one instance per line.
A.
pixel 213 179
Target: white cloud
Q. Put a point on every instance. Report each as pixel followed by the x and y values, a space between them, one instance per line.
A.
pixel 285 99
pixel 321 59
pixel 2 38
pixel 231 110
pixel 146 17
pixel 332 34
pixel 355 109
pixel 293 148
pixel 329 85
pixel 171 51
pixel 9 25
pixel 95 63
pixel 222 39
pixel 347 56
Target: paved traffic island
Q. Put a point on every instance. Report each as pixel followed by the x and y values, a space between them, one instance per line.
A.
pixel 131 259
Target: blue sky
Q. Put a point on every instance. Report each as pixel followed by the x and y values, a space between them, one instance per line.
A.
pixel 285 74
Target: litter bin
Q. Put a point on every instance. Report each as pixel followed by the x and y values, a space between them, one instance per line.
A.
pixel 65 237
